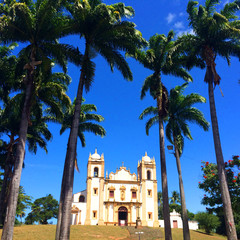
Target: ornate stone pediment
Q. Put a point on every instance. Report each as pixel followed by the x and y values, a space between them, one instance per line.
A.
pixel 123 174
pixel 74 209
pixel 112 188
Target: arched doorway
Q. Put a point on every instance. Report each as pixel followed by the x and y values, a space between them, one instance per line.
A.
pixel 122 216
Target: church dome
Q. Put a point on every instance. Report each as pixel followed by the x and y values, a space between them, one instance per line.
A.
pixel 96 156
pixel 146 158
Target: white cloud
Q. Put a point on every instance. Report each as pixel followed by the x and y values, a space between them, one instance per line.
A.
pixel 178 25
pixel 188 31
pixel 226 2
pixel 170 17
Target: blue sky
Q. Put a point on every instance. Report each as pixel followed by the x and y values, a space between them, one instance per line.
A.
pixel 118 101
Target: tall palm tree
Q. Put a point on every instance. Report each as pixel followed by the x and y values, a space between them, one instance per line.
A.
pixel 180 113
pixel 104 33
pixel 38 24
pixel 37 135
pixel 161 57
pixel 51 94
pixel 86 123
pixel 215 35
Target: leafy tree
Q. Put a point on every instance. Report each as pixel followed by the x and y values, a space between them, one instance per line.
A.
pixel 215 35
pixel 176 207
pixel 24 202
pixel 212 197
pixel 42 210
pixel 161 58
pixel 191 216
pixel 36 24
pixel 160 205
pixel 105 33
pixel 172 206
pixel 206 221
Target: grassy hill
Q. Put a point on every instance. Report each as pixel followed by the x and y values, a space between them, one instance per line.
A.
pixel 47 232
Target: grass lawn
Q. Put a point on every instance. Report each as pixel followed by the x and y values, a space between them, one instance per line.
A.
pixel 47 232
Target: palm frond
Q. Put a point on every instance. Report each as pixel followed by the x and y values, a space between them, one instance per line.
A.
pixel 148 111
pixel 151 122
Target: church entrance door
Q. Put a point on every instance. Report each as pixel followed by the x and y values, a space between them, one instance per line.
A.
pixel 122 216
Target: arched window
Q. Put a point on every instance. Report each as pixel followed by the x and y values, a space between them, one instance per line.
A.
pixel 95 172
pixel 81 198
pixel 148 175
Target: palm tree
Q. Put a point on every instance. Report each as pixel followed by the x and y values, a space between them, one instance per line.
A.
pixel 180 113
pixel 38 24
pixel 38 135
pixel 24 201
pixel 161 57
pixel 160 207
pixel 8 81
pixel 159 198
pixel 104 33
pixel 175 197
pixel 215 35
pixel 85 121
pixel 51 94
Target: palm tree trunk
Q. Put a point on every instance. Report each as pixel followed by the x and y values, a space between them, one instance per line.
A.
pixel 65 205
pixel 227 206
pixel 61 205
pixel 59 218
pixel 7 233
pixel 186 233
pixel 166 214
pixel 5 186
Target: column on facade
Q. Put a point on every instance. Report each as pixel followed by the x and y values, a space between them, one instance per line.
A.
pixel 106 213
pixel 88 210
pixel 114 213
pixel 144 203
pixel 101 192
pixel 129 214
pixel 156 222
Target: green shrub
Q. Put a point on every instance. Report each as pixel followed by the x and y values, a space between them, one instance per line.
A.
pixel 206 221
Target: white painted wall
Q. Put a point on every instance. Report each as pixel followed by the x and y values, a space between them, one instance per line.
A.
pixel 95 200
pixel 149 202
pixel 110 219
pixel 82 207
pixel 117 192
pixel 193 225
pixel 77 195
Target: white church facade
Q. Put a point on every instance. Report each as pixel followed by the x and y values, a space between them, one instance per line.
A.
pixel 121 198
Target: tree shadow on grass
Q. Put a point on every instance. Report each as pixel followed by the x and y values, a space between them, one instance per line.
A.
pixel 146 233
pixel 209 234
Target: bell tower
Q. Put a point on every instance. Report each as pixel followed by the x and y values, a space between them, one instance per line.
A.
pixel 147 176
pixel 95 184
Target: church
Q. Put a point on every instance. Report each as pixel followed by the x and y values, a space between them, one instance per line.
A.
pixel 121 198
